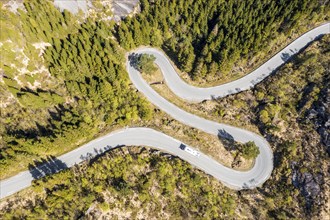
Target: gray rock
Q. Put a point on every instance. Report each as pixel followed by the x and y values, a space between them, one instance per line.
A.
pixel 309 185
pixel 319 115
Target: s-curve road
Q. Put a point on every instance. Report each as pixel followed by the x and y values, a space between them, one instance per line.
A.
pixel 148 137
pixel 197 94
pixel 142 137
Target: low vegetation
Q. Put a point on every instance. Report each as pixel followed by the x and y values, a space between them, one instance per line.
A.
pixel 127 183
pixel 286 109
pixel 225 151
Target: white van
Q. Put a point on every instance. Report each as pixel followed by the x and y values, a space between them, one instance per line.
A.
pixel 190 150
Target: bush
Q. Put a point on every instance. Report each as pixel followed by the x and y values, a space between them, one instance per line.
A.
pixel 145 63
pixel 250 150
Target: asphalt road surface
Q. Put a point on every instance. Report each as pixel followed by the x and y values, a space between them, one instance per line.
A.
pixel 197 94
pixel 148 137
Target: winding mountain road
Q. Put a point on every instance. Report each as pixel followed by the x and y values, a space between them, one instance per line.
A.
pixel 149 137
pixel 197 94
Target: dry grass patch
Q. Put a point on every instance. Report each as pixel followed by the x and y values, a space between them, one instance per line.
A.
pixel 206 143
pixel 203 109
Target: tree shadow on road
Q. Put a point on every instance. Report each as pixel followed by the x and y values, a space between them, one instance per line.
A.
pixel 133 60
pixel 285 57
pixel 45 167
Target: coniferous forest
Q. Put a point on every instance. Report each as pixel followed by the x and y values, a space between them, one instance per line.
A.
pixel 89 91
pixel 63 83
pixel 207 39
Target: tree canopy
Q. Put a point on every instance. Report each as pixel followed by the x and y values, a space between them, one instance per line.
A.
pixel 145 63
pixel 208 37
pixel 250 150
pixel 92 91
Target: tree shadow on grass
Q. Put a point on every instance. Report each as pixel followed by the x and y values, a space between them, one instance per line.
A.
pixel 227 140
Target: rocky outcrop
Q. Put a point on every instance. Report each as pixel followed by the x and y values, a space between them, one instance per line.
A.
pixel 309 184
pixel 319 115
